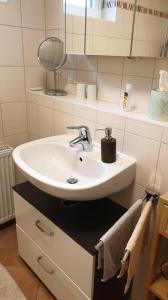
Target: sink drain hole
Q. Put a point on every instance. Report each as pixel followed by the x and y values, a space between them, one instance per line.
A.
pixel 69 204
pixel 72 180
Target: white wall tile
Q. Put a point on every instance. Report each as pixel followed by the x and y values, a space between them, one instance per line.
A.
pixel 84 112
pixel 130 195
pixel 52 14
pixel 61 121
pixel 12 86
pixel 144 129
pixel 32 116
pixel 109 87
pixel 46 101
pixel 33 13
pixel 11 39
pixel 110 119
pixel 165 136
pixel 1 129
pixel 145 151
pixel 63 106
pixel 15 140
pixel 87 63
pixel 31 41
pixel 110 64
pixel 86 77
pixel 35 76
pixel 45 122
pixel 14 118
pixel 161 184
pixel 139 67
pixel 71 62
pixel 10 13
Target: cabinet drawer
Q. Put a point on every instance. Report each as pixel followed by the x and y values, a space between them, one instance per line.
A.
pixel 77 263
pixel 164 221
pixel 52 276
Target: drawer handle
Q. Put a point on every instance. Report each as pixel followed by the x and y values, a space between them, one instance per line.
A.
pixel 43 266
pixel 40 226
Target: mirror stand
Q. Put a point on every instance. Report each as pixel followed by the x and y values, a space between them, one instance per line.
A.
pixel 55 91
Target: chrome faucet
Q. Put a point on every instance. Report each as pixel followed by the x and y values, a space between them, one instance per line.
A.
pixel 83 139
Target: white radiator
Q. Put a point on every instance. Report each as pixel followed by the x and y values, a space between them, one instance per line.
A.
pixel 7 180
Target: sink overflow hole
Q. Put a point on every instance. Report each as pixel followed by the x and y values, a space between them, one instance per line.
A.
pixel 72 180
pixel 80 159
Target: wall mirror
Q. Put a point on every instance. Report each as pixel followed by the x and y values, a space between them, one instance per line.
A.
pixel 117 28
pixel 151 28
pixel 109 27
pixel 51 56
pixel 75 21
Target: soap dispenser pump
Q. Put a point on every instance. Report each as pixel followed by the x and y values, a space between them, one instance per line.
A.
pixel 108 147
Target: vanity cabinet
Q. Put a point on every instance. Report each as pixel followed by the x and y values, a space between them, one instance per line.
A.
pixel 57 242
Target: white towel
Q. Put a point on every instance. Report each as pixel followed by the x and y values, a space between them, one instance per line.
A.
pixel 115 241
pixel 134 245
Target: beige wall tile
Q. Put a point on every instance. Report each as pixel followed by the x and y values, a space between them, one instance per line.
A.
pixel 110 119
pixel 35 76
pixel 10 13
pixel 31 41
pixel 109 87
pixel 52 14
pixel 12 86
pixel 161 184
pixel 32 116
pixel 139 67
pixel 145 151
pixel 144 129
pixel 86 77
pixel 14 118
pixel 11 39
pixel 15 140
pixel 84 112
pixel 109 64
pixel 1 128
pixel 45 121
pixel 61 121
pixel 87 63
pixel 33 13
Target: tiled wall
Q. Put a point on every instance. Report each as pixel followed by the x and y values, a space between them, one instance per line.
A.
pixel 112 73
pixel 22 29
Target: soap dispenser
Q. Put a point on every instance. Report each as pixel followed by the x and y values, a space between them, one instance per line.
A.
pixel 108 147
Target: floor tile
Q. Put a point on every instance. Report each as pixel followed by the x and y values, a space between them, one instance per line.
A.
pixel 26 280
pixel 44 294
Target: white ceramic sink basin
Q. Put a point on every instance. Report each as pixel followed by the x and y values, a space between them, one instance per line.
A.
pixel 48 163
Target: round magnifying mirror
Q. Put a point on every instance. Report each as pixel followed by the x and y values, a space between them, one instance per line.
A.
pixel 52 57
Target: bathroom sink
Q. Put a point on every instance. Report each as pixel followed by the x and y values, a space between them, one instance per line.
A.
pixel 70 173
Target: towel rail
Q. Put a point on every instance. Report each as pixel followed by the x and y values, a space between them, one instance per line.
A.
pixel 149 196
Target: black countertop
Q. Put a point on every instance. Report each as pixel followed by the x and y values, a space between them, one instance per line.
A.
pixel 85 222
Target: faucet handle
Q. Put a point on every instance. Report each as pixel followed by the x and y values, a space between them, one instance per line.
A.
pixel 78 127
pixel 81 128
